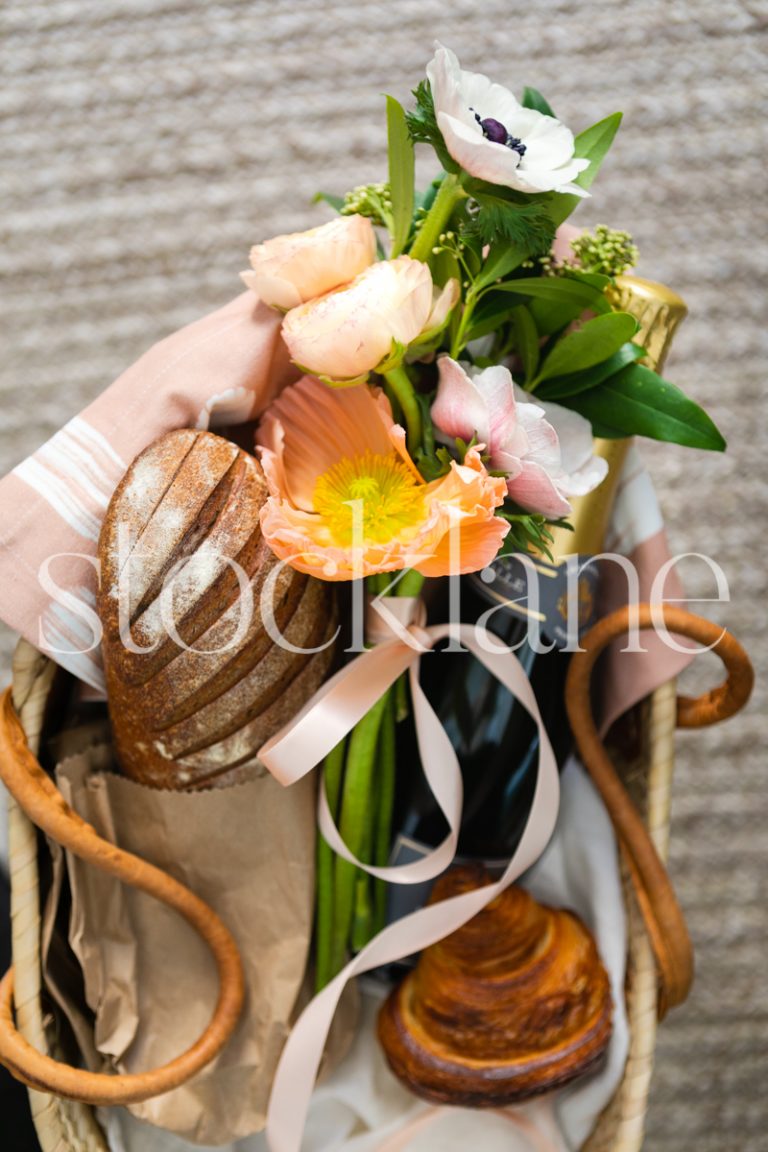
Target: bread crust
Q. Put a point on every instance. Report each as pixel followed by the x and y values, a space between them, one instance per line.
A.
pixel 196 681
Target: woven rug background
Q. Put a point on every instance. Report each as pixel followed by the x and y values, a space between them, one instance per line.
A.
pixel 147 143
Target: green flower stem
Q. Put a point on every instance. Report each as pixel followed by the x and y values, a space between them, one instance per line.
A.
pixel 411 583
pixel 400 383
pixel 362 918
pixel 334 767
pixel 351 907
pixel 428 236
pixel 391 395
pixel 378 583
pixel 402 698
pixel 459 341
pixel 354 823
pixel 384 809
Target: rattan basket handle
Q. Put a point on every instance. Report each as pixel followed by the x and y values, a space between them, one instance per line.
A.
pixel 42 802
pixel 658 904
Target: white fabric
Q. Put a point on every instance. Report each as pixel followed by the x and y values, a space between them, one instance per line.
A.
pixel 636 514
pixel 362 1105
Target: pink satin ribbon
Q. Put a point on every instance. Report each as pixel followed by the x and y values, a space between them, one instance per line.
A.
pixel 401 639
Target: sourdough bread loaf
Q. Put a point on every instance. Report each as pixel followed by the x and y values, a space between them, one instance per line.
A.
pixel 208 639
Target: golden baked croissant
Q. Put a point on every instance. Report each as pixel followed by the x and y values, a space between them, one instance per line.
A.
pixel 513 1004
pixel 194 686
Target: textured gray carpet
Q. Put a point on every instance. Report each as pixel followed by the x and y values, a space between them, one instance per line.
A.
pixel 147 143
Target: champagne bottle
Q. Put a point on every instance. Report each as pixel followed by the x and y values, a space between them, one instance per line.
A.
pixel 494 738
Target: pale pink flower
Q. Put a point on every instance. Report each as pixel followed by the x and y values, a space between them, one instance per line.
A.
pixel 561 245
pixel 495 138
pixel 444 300
pixel 347 333
pixel 545 450
pixel 346 500
pixel 289 270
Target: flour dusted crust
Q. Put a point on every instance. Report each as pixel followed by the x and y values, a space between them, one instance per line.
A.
pixel 194 686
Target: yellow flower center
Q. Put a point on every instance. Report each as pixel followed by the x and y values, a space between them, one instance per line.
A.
pixel 368 499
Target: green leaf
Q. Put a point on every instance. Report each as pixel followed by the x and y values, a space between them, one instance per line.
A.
pixel 575 382
pixel 401 174
pixel 474 186
pixel 489 316
pixel 592 145
pixel 553 319
pixel 336 202
pixel 423 129
pixel 445 267
pixel 590 344
pixel 395 358
pixel 528 531
pixel 434 465
pixel 594 279
pixel 502 259
pixel 558 290
pixel 499 218
pixel 426 198
pixel 638 402
pixel 557 300
pixel 331 381
pixel 432 461
pixel 526 340
pixel 532 98
pixel 604 431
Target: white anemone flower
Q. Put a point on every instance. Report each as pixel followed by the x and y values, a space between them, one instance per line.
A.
pixel 495 138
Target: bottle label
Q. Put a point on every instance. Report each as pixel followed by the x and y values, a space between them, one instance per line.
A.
pixel 557 599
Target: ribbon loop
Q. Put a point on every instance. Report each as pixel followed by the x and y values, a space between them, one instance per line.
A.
pixel 400 618
pixel 443 773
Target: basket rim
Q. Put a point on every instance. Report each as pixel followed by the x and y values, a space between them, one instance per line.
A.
pixel 67 1126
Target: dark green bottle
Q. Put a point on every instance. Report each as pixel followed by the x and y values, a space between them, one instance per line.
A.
pixel 495 739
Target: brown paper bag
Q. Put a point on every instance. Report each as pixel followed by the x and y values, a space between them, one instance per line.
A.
pixel 150 981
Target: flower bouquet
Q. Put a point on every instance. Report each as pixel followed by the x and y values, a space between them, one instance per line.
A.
pixel 457 369
pixel 440 388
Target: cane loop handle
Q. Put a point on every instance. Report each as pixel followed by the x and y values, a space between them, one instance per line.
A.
pixel 44 805
pixel 658 903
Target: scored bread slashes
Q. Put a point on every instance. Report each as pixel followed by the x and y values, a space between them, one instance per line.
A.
pixel 195 680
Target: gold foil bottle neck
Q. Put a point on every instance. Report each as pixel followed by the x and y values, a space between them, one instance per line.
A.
pixel 659 312
pixel 657 309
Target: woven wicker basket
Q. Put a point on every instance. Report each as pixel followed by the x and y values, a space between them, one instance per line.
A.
pixel 67 1126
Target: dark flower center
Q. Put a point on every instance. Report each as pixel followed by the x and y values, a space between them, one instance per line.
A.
pixel 495 131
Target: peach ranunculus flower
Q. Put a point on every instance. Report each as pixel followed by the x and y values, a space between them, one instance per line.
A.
pixel 346 334
pixel 289 270
pixel 346 500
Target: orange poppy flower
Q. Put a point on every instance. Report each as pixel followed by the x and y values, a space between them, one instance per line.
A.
pixel 347 501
